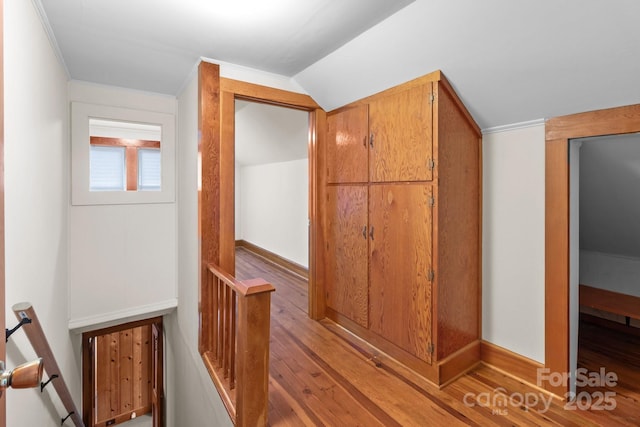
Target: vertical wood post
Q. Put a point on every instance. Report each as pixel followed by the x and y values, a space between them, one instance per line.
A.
pixel 252 398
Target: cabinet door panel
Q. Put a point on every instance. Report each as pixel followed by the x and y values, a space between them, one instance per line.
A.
pixel 347 145
pixel 346 266
pixel 400 259
pixel 402 132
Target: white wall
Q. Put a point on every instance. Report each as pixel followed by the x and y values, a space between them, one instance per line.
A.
pixel 193 395
pixel 611 272
pixel 37 197
pixel 513 239
pixel 123 258
pixel 238 200
pixel 274 198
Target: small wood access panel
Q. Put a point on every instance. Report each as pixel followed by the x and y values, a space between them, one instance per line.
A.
pixel 122 375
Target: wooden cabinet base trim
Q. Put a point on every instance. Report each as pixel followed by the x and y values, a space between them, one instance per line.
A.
pixel 390 350
pixel 459 363
pixel 510 363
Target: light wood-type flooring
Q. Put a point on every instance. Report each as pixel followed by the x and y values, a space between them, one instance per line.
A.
pixel 320 375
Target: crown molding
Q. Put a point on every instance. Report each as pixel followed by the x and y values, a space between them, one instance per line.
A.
pixel 514 126
pixel 37 4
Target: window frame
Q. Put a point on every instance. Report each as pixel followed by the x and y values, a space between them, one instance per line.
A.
pixel 81 113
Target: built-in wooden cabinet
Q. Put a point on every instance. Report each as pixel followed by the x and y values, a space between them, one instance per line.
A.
pixel 402 225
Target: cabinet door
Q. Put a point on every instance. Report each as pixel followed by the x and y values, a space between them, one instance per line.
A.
pixel 400 220
pixel 401 136
pixel 347 145
pixel 346 262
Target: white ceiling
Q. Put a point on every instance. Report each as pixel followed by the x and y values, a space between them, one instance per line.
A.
pixel 153 44
pixel 510 61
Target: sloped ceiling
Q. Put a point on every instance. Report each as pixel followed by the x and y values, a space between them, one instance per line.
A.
pixel 510 61
pixel 153 45
pixel 610 195
pixel 270 134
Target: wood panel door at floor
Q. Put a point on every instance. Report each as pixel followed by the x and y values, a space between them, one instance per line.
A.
pixel 401 135
pixel 122 375
pixel 157 385
pixel 400 247
pixel 347 254
pixel 348 145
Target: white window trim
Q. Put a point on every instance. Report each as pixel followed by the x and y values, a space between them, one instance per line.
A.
pixel 80 193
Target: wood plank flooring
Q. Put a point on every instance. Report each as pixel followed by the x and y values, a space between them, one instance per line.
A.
pixel 321 375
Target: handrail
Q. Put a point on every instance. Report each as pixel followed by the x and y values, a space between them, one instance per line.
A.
pixel 34 332
pixel 236 343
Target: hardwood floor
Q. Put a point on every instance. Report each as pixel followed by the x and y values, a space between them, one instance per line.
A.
pixel 321 375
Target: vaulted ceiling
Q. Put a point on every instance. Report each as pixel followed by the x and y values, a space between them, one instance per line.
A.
pixel 510 61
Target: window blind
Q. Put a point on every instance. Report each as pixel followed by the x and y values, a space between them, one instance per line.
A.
pixel 107 168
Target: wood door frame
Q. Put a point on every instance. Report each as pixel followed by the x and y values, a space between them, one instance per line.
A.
pixel 230 90
pixel 88 384
pixel 558 133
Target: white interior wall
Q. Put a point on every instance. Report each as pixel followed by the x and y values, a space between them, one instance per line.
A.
pixel 513 239
pixel 274 198
pixel 238 201
pixel 123 258
pixel 615 273
pixel 36 204
pixel 193 395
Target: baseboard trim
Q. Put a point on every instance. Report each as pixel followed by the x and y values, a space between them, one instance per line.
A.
pixel 459 363
pixel 274 258
pixel 510 363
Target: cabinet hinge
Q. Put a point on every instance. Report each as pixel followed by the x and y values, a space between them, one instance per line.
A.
pixel 431 275
pixel 431 201
pixel 432 98
pixel 431 164
pixel 431 348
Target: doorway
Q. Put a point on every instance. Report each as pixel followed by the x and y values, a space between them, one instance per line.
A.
pixel 558 250
pixel 272 183
pixel 122 375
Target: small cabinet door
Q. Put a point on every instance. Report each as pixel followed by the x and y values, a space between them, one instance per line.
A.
pixel 401 136
pixel 400 246
pixel 347 145
pixel 346 262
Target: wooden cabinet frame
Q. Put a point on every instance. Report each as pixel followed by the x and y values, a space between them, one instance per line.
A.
pixel 452 169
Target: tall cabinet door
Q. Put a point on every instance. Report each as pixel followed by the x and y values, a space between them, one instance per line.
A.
pixel 401 136
pixel 348 145
pixel 346 262
pixel 400 246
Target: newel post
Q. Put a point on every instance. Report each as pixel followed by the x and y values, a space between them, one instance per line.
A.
pixel 254 312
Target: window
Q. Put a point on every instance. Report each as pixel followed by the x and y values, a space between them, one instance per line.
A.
pixel 119 164
pixel 149 177
pixel 107 168
pixel 121 156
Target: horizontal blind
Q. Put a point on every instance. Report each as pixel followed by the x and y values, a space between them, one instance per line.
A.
pixel 149 169
pixel 107 168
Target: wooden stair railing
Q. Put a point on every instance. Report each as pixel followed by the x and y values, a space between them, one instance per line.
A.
pixel 235 345
pixel 34 332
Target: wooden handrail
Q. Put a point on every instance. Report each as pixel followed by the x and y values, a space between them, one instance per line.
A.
pixel 236 348
pixel 36 335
